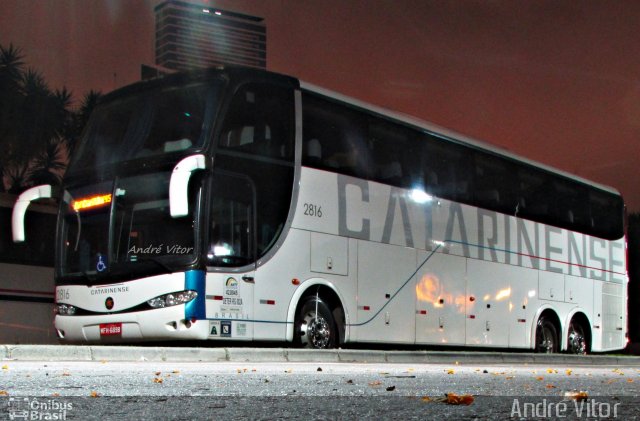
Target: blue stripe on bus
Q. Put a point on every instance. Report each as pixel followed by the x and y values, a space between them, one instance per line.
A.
pixel 251 321
pixel 194 280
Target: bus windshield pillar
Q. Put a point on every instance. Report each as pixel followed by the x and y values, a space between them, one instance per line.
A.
pixel 20 209
pixel 179 184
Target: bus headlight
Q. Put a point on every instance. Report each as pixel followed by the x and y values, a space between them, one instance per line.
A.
pixel 172 299
pixel 65 310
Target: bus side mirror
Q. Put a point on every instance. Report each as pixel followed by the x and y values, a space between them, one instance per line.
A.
pixel 179 184
pixel 20 209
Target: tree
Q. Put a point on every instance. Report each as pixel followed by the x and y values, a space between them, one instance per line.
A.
pixel 81 118
pixel 38 127
pixel 11 70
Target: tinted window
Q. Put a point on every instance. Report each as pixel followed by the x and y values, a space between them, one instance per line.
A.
pixel 335 138
pixel 447 168
pixel 255 154
pixel 340 138
pixel 231 227
pixel 259 122
pixel 396 154
pixel 145 125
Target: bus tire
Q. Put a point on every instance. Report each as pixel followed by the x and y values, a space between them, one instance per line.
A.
pixel 546 336
pixel 577 342
pixel 315 327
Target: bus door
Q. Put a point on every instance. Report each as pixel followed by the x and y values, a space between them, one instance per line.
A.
pixel 230 256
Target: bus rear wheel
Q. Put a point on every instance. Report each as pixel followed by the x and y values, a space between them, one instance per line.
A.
pixel 315 326
pixel 577 341
pixel 546 336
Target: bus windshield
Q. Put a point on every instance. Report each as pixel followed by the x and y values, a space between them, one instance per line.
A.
pixel 143 236
pixel 147 125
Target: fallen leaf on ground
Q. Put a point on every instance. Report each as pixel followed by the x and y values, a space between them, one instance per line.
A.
pixel 451 371
pixel 5 367
pixel 453 399
pixel 576 395
pixel 4 393
pixel 550 386
pixel 375 383
pixel 569 372
pixel 157 380
pixel 94 394
pixel 426 399
pixel 551 371
pixel 540 378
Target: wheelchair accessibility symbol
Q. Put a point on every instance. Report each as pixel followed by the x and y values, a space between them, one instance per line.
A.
pixel 101 266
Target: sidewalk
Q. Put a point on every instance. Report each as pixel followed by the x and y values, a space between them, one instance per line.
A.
pixel 184 354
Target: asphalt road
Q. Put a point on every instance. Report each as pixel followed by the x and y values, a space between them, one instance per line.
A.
pixel 168 390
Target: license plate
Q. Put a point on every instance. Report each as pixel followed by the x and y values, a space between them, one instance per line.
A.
pixel 111 329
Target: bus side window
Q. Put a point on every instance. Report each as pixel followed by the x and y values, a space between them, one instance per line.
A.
pixel 258 122
pixel 340 132
pixel 392 152
pixel 448 165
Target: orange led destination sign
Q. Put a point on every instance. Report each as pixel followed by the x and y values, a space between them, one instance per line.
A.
pixel 91 202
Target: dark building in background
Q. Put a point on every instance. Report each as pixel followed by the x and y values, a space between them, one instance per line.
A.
pixel 189 36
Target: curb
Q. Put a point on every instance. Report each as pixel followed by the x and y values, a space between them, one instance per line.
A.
pixel 194 354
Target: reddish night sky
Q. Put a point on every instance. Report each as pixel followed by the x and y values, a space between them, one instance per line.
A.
pixel 557 82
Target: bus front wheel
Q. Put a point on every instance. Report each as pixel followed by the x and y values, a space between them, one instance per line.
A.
pixel 315 326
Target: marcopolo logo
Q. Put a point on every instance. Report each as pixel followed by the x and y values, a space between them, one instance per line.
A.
pixel 38 409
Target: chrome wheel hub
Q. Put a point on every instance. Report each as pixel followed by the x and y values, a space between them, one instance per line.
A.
pixel 316 331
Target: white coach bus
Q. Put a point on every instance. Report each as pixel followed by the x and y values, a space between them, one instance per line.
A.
pixel 238 204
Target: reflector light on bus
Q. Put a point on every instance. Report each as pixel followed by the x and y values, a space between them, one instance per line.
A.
pixel 91 202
